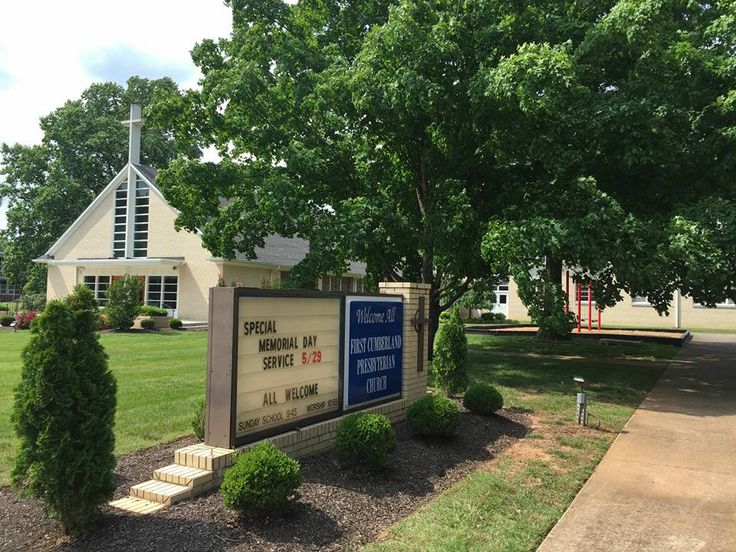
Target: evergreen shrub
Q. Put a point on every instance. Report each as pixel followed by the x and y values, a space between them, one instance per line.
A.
pixel 148 324
pixel 262 481
pixel 483 398
pixel 176 324
pixel 365 441
pixel 450 355
pixel 6 320
pixel 123 302
pixel 64 412
pixel 199 419
pixel 433 416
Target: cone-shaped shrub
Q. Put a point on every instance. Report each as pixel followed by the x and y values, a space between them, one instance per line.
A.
pixel 123 302
pixel 450 355
pixel 64 413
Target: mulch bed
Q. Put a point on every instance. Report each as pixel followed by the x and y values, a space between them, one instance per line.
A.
pixel 338 510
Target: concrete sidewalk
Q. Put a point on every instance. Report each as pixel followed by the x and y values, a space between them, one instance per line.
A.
pixel 668 483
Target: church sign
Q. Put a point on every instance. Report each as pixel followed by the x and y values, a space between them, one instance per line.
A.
pixel 373 352
pixel 281 360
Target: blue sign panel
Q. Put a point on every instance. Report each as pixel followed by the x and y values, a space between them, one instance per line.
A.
pixel 373 349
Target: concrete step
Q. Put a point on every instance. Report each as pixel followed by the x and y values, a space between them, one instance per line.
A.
pixel 136 505
pixel 204 457
pixel 183 475
pixel 161 492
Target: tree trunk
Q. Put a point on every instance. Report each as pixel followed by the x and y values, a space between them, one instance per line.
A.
pixel 434 318
pixel 553 267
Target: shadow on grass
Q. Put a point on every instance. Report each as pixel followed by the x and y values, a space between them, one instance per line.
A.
pixel 621 384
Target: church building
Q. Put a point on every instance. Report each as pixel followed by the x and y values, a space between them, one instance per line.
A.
pixel 129 229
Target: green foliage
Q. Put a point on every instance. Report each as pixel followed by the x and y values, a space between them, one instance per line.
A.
pixel 148 324
pixel 493 317
pixel 198 421
pixel 6 320
pixel 262 481
pixel 4 307
pixel 433 416
pixel 450 355
pixel 64 413
pixel 47 186
pixel 176 324
pixel 148 310
pixel 123 302
pixel 482 398
pixel 365 441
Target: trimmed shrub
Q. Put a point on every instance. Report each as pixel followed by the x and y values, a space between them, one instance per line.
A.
pixel 262 481
pixel 365 441
pixel 450 355
pixel 23 319
pixel 6 320
pixel 64 413
pixel 482 398
pixel 493 317
pixel 199 419
pixel 123 302
pixel 444 316
pixel 4 307
pixel 176 324
pixel 148 310
pixel 148 324
pixel 433 416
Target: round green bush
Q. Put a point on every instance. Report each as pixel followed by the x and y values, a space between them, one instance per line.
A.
pixel 6 320
pixel 262 481
pixel 433 416
pixel 176 324
pixel 148 324
pixel 482 398
pixel 365 441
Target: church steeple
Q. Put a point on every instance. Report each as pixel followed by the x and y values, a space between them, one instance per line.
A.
pixel 134 135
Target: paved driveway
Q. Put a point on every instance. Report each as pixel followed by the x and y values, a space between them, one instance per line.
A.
pixel 668 483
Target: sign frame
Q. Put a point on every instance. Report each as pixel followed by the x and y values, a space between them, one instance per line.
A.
pixel 345 361
pixel 222 363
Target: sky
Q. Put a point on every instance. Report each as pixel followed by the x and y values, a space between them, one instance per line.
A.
pixel 51 50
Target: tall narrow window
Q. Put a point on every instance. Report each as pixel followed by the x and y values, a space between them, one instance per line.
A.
pixel 140 232
pixel 121 217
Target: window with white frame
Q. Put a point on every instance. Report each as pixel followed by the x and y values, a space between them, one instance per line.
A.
pixel 162 291
pixel 98 285
pixel 640 300
pixel 140 231
pixel 120 221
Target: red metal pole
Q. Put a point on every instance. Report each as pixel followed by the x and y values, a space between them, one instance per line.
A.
pixel 590 307
pixel 567 292
pixel 580 290
pixel 599 316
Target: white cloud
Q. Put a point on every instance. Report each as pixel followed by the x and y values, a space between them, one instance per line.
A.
pixel 50 51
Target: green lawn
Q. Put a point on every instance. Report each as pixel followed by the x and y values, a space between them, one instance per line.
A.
pixel 160 377
pixel 511 504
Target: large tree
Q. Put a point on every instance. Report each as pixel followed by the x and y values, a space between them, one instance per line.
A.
pixel 84 145
pixel 635 99
pixel 349 124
